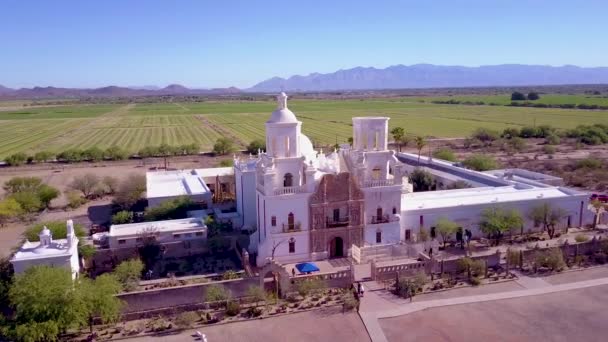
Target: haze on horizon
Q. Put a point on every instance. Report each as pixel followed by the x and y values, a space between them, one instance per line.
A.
pixel 240 43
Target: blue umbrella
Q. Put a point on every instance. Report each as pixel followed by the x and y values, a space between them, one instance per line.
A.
pixel 306 267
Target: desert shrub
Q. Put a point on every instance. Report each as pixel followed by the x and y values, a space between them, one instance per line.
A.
pixel 310 285
pixel 475 281
pixel 186 319
pixel 552 259
pixel 230 274
pixel 254 312
pixel 581 238
pixel 513 257
pixel 553 139
pixel 74 199
pixel 128 273
pixel 485 135
pixel 480 162
pixel 233 308
pixel 217 293
pixel 173 209
pixel 548 149
pixel 122 217
pixel 349 302
pixel 588 163
pixel 409 286
pixel 510 133
pixel 445 154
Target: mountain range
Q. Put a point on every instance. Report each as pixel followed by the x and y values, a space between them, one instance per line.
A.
pixel 359 78
pixel 109 91
pixel 436 76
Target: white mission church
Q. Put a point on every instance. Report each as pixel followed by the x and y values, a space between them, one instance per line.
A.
pixel 304 205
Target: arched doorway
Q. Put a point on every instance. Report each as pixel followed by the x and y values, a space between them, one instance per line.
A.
pixel 288 180
pixel 336 247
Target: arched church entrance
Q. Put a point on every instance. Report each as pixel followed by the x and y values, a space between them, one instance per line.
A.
pixel 336 247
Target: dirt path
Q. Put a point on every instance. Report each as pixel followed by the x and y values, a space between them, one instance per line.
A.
pixel 224 132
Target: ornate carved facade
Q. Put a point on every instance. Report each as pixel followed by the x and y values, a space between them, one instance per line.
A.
pixel 336 215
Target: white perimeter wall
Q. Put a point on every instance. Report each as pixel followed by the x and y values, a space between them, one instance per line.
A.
pixel 469 216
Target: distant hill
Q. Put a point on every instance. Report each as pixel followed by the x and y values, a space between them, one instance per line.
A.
pixel 109 91
pixel 436 76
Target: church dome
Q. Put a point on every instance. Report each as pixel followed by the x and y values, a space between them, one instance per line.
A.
pixel 306 148
pixel 282 114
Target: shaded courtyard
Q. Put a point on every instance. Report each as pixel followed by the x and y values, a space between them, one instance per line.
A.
pixel 576 315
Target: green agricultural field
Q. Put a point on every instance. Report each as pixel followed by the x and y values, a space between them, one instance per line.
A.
pixel 134 126
pixel 505 99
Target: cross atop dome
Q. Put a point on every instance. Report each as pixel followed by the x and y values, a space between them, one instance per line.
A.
pixel 282 100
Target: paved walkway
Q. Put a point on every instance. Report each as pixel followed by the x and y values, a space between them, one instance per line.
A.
pixel 375 307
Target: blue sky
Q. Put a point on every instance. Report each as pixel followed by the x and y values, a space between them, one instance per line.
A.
pixel 223 43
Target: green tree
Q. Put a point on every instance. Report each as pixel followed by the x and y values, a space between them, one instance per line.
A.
pixel 46 303
pixel 398 134
pixel 176 208
pixel 223 146
pixel 547 216
pixel 47 193
pixel 9 209
pixel 485 135
pixel 422 180
pixel 130 191
pixel 496 221
pixel 122 217
pixel 92 154
pixel 480 162
pixel 22 184
pixel 43 156
pixel 446 228
pixel 100 297
pixel 74 199
pixel 420 143
pixel 517 96
pixel 115 153
pixel 255 146
pixel 70 156
pixel 445 154
pixel 128 273
pixel 85 184
pixel 16 159
pixel 29 201
pixel 110 183
pixel 533 96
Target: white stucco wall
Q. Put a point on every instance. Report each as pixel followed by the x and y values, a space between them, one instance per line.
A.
pixel 245 197
pixel 469 215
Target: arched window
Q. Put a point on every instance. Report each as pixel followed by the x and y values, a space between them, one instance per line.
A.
pixel 394 210
pixel 378 236
pixel 290 221
pixel 273 221
pixel 292 245
pixel 379 212
pixel 376 172
pixel 288 180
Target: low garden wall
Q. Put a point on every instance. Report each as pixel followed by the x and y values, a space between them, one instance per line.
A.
pixel 181 295
pixel 337 279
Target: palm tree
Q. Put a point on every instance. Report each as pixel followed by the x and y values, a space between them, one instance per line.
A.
pixel 420 143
